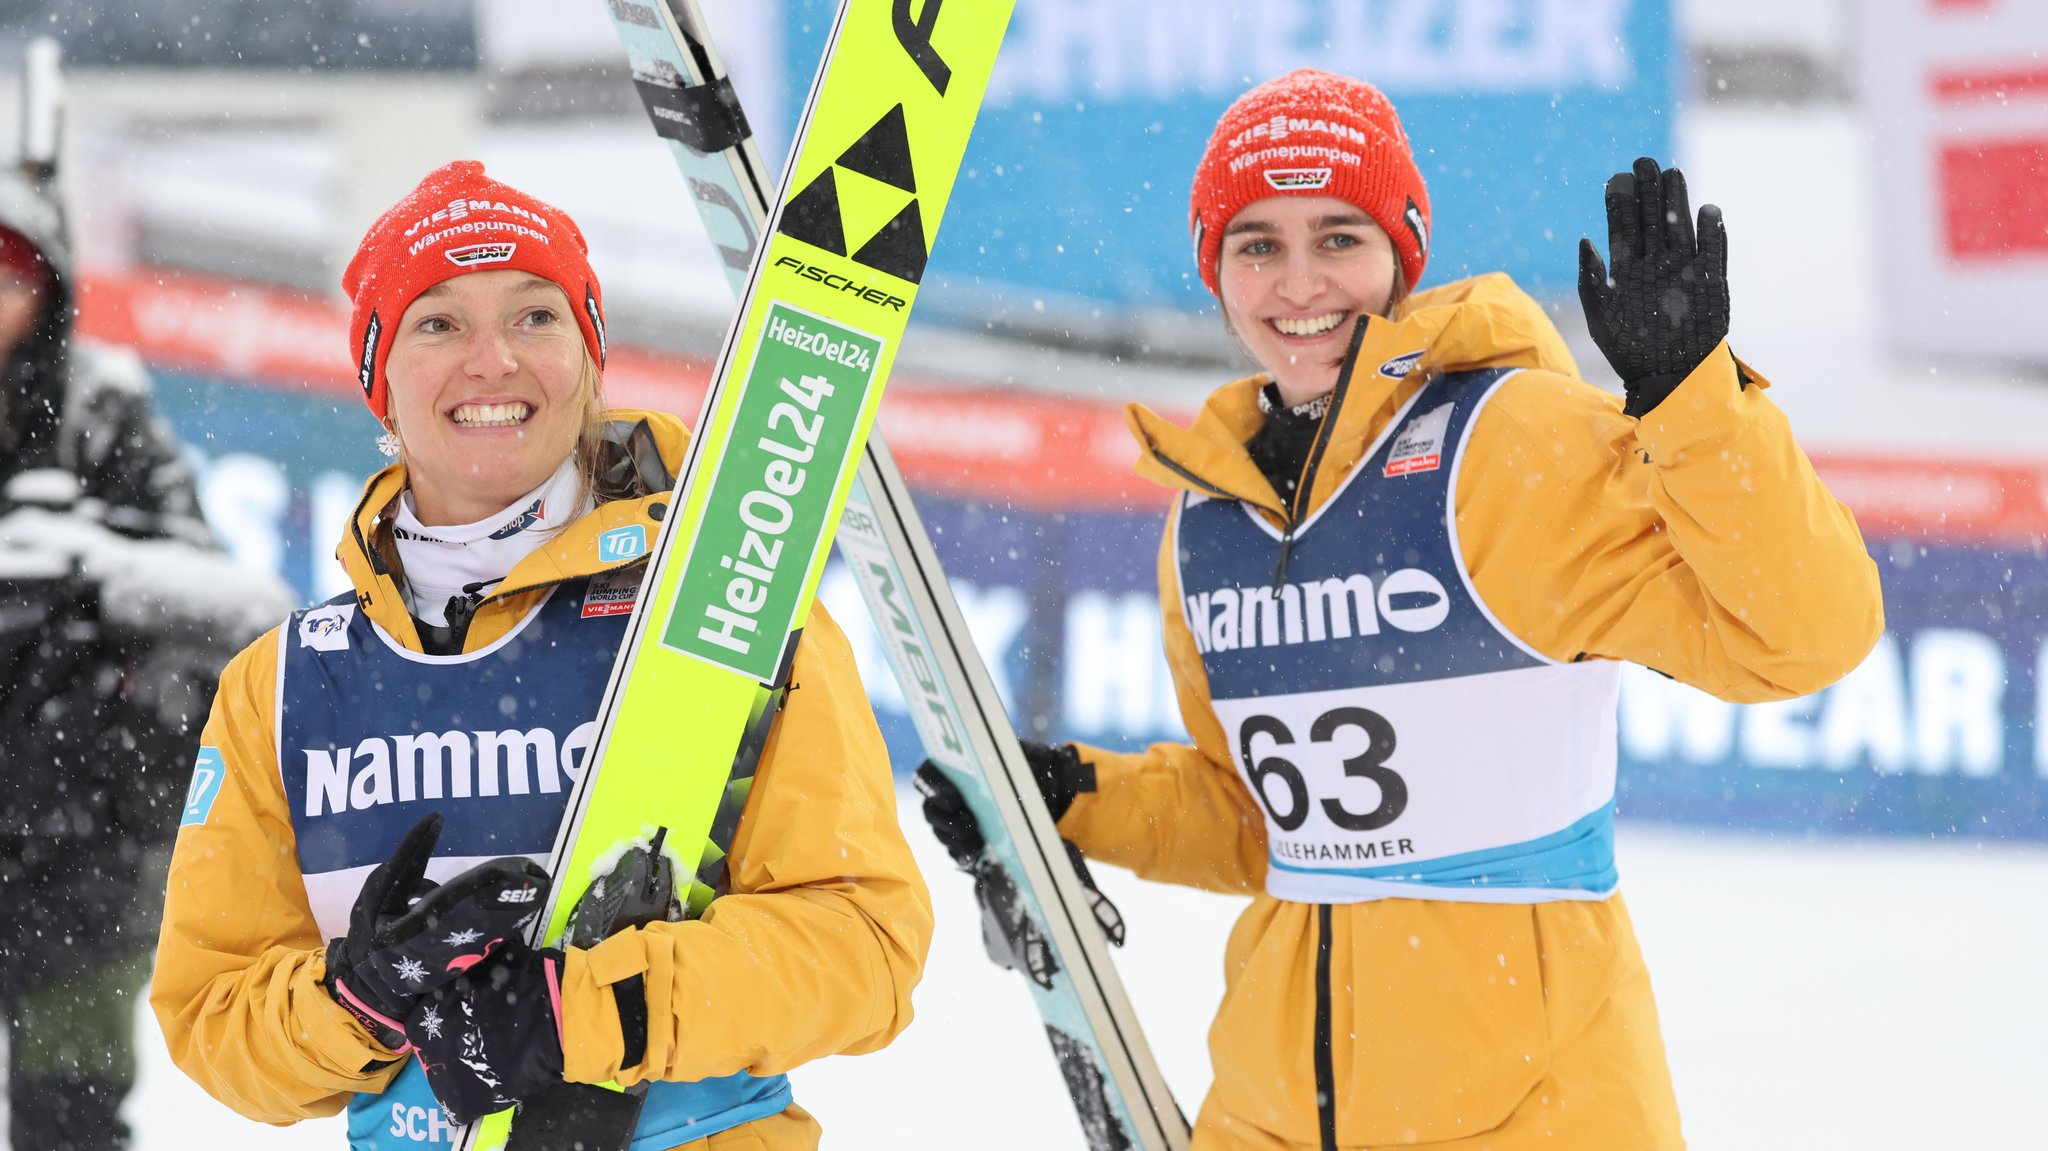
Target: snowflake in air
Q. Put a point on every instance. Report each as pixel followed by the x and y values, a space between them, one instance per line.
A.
pixel 409 969
pixel 466 935
pixel 430 1022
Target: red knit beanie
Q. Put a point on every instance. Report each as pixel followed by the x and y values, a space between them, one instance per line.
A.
pixel 460 220
pixel 19 255
pixel 1315 134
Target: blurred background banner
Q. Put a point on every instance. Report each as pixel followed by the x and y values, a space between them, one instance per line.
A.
pixel 249 35
pixel 224 172
pixel 1051 544
pixel 1958 95
pixel 1098 111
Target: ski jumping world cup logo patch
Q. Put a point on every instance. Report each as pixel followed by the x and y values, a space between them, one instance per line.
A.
pixel 611 593
pixel 474 254
pixel 1420 446
pixel 326 628
pixel 1298 179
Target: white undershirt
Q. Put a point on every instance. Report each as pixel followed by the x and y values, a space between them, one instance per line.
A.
pixel 446 561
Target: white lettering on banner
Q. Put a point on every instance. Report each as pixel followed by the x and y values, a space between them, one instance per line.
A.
pixel 1083 50
pixel 434 765
pixel 1114 680
pixel 1778 734
pixel 248 331
pixel 1958 702
pixel 840 593
pixel 2041 711
pixel 1937 710
pixel 1663 720
pixel 332 500
pixel 995 617
pixel 1866 714
pixel 245 498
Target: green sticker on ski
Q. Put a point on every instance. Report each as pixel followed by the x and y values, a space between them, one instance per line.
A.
pixel 791 437
pixel 776 447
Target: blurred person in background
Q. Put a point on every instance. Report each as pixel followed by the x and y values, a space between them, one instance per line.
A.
pixel 1403 564
pixel 117 611
pixel 343 917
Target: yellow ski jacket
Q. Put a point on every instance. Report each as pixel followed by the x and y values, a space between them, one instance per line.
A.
pixel 1697 541
pixel 814 951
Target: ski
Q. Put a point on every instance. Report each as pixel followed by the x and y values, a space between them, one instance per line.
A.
pixel 1038 910
pixel 707 653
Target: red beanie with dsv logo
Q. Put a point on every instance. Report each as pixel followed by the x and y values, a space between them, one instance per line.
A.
pixel 1311 133
pixel 459 220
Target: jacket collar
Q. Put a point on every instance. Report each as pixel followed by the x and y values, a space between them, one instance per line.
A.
pixel 1482 322
pixel 644 448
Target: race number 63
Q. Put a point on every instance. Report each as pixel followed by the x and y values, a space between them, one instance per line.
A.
pixel 1369 764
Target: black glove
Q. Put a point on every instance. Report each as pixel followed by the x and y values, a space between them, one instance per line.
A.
pixel 1058 771
pixel 1665 307
pixel 1008 933
pixel 490 1038
pixel 407 936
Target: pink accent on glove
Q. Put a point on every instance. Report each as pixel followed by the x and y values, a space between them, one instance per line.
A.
pixel 368 1012
pixel 555 996
pixel 465 962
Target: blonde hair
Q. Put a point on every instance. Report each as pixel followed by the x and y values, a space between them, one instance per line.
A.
pixel 589 450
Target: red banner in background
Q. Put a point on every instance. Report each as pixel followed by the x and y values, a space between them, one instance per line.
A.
pixel 1035 451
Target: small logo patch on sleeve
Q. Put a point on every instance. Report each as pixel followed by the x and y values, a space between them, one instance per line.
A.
pixel 627 543
pixel 207 774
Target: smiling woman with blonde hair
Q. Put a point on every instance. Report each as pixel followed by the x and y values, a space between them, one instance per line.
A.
pixel 382 774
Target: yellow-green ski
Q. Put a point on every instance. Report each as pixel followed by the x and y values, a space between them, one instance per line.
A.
pixel 733 573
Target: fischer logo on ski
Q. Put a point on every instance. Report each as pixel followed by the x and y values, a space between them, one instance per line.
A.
pixel 732 572
pixel 834 280
pixel 1052 927
pixel 817 214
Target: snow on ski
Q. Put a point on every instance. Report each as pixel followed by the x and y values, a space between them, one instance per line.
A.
pixel 1120 1096
pixel 731 577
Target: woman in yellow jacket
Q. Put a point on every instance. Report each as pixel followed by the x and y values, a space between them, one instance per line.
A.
pixel 306 930
pixel 1403 565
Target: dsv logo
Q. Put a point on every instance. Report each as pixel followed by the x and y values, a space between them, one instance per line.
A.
pixel 883 154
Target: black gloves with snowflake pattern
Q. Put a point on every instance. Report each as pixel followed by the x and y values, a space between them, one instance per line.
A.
pixel 408 936
pixel 492 1037
pixel 1660 305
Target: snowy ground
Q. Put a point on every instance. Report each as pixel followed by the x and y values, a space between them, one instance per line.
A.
pixel 1814 994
